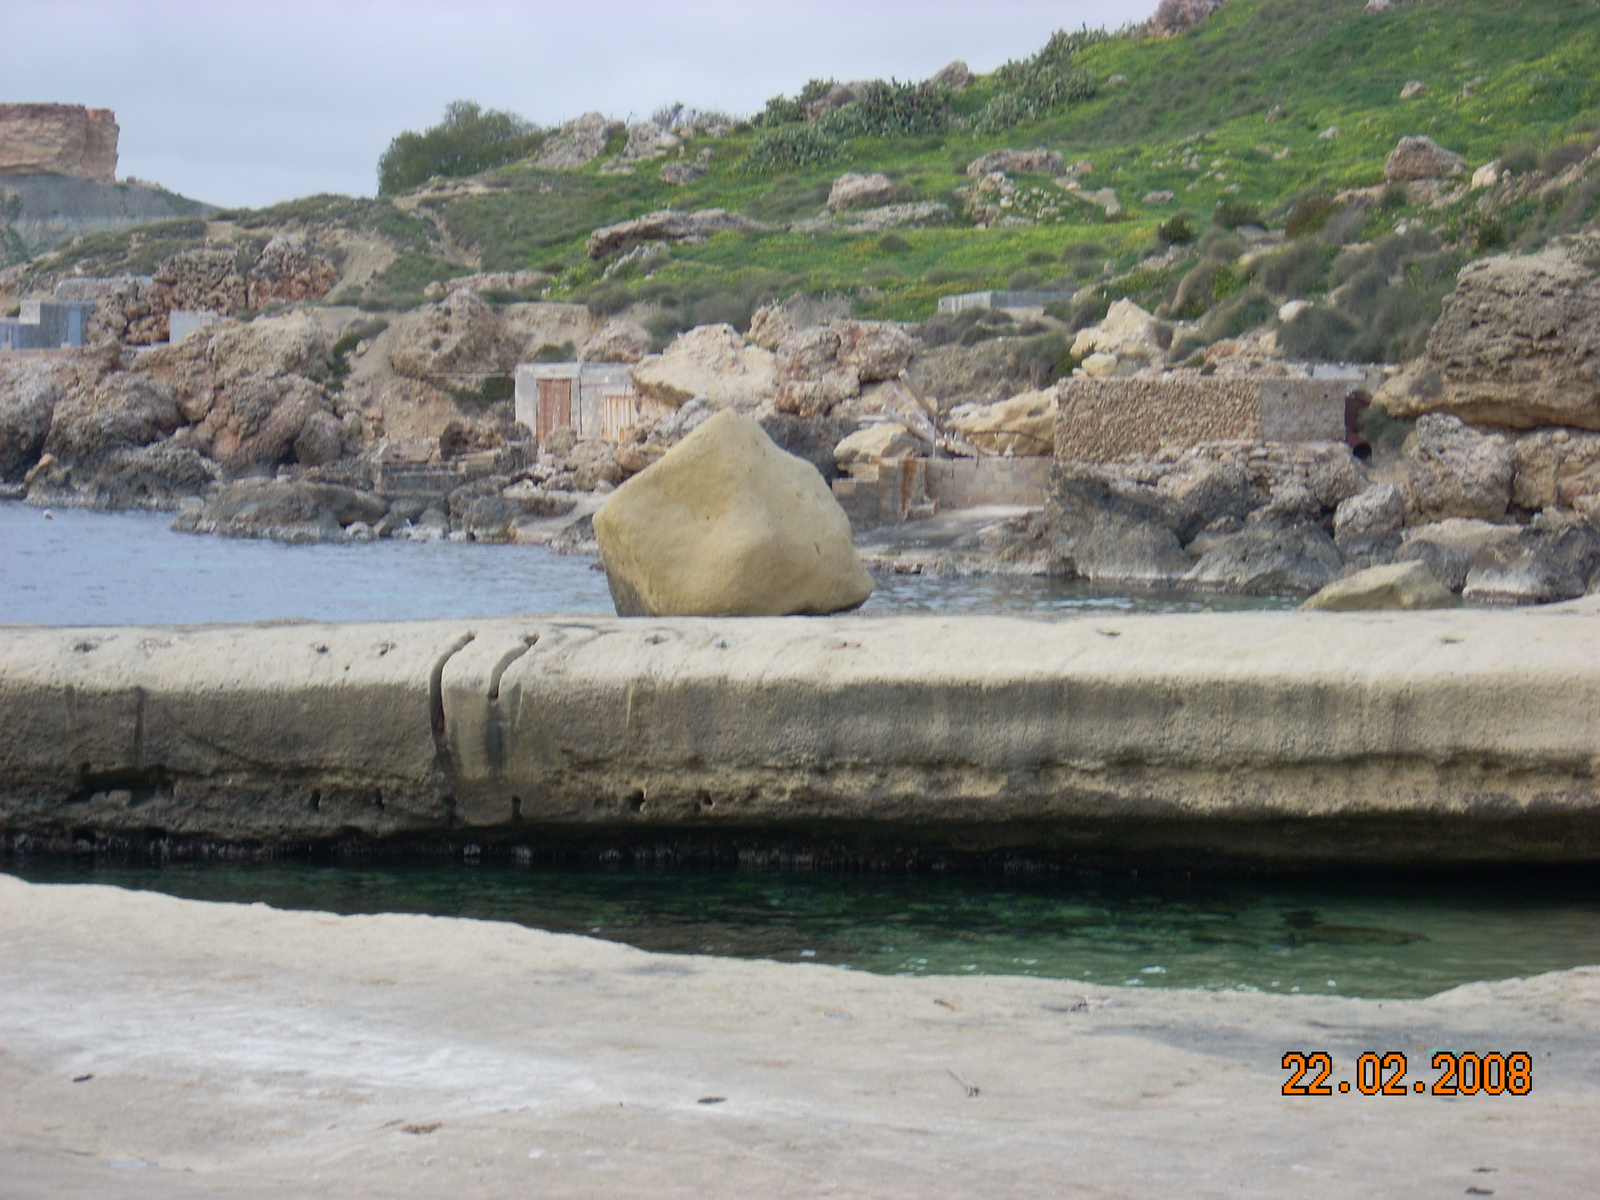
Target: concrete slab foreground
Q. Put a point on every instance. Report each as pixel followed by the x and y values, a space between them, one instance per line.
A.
pixel 155 1047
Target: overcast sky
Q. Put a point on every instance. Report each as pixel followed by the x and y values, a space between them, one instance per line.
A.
pixel 241 102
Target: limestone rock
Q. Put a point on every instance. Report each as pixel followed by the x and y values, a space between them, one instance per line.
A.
pixel 484 282
pixel 205 278
pixel 1486 176
pixel 459 334
pixel 1541 564
pixel 1517 344
pixel 726 524
pixel 120 411
pixel 321 439
pixel 294 342
pixel 1555 468
pixel 257 420
pixel 1127 332
pixel 667 225
pixel 1107 528
pixel 851 190
pixel 1366 526
pixel 1421 158
pixel 1022 425
pixel 1450 547
pixel 577 142
pixel 683 170
pixel 1374 7
pixel 1406 586
pixel 776 320
pixel 956 76
pixel 876 349
pixel 1179 16
pixel 282 509
pixel 1038 161
pixel 58 139
pixel 881 440
pixel 158 476
pixel 616 342
pixel 1412 89
pixel 1457 471
pixel 31 388
pixel 286 271
pixel 712 361
pixel 1268 558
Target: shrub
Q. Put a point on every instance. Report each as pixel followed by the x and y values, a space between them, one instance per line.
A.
pixel 891 109
pixel 552 352
pixel 1231 214
pixel 780 110
pixel 469 141
pixel 1176 231
pixel 1244 312
pixel 1041 360
pixel 1023 281
pixel 1297 270
pixel 790 148
pixel 893 243
pixel 1559 157
pixel 1520 157
pixel 1309 215
pixel 1491 235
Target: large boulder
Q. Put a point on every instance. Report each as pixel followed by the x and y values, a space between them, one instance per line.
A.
pixel 1023 425
pixel 712 361
pixel 956 76
pixel 1542 563
pixel 726 524
pixel 1038 161
pixel 813 440
pixel 876 349
pixel 1406 586
pixel 1555 468
pixel 294 342
pixel 1366 526
pixel 1450 547
pixel 1269 558
pixel 460 334
pixel 1106 528
pixel 121 411
pixel 577 142
pixel 1127 333
pixel 259 420
pixel 616 342
pixel 158 476
pixel 852 190
pixel 1421 158
pixel 823 365
pixel 1179 16
pixel 1517 344
pixel 668 225
pixel 879 441
pixel 1457 471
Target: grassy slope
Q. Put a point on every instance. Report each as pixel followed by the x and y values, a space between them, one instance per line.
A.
pixel 1241 101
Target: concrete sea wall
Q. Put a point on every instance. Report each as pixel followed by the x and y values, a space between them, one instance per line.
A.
pixel 1273 737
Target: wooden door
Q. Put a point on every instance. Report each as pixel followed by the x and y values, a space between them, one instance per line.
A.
pixel 555 406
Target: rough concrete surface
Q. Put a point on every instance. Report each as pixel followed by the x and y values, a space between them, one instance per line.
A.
pixel 155 1047
pixel 1335 737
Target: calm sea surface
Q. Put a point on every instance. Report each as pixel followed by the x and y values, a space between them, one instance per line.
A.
pixel 90 568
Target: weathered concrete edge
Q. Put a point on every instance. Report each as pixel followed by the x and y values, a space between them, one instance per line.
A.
pixel 1447 736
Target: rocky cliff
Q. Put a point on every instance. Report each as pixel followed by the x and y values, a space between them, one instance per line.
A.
pixel 58 139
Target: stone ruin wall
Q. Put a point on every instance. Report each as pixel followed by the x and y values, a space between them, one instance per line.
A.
pixel 58 139
pixel 1108 420
pixel 1111 420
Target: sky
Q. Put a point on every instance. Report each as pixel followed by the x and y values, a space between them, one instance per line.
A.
pixel 249 103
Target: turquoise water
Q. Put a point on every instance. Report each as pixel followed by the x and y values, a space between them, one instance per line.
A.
pixel 1351 936
pixel 93 568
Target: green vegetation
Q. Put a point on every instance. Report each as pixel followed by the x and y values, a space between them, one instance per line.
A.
pixel 1235 194
pixel 469 141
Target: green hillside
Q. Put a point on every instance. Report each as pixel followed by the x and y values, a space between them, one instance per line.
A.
pixel 1232 118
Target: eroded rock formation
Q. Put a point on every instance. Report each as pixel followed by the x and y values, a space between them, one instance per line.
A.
pixel 58 139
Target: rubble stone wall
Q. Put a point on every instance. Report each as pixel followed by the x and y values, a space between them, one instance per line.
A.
pixel 1107 420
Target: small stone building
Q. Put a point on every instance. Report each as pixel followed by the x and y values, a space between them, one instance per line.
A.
pixel 595 400
pixel 46 325
pixel 1108 420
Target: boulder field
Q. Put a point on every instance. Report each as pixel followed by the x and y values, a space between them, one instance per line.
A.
pixel 1291 738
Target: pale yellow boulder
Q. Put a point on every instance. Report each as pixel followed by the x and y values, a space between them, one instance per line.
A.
pixel 1405 585
pixel 711 361
pixel 883 440
pixel 726 524
pixel 1023 425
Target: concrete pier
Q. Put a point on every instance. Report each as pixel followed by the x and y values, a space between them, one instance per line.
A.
pixel 1289 738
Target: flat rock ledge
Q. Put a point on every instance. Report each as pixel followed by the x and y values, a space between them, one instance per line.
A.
pixel 164 1048
pixel 1286 738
